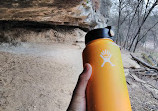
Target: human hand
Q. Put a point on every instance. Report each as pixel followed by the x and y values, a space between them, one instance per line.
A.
pixel 78 101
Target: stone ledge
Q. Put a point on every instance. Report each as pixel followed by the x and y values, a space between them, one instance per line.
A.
pixel 58 12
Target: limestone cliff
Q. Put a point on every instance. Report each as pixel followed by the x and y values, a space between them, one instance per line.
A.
pixel 82 13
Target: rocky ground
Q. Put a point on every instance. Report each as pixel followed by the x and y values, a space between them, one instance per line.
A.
pixel 41 77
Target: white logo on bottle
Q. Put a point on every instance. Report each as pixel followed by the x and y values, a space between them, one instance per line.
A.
pixel 106 56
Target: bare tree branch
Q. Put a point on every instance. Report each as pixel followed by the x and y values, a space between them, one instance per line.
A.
pixel 148 31
pixel 146 7
pixel 125 18
pixel 144 20
pixel 130 24
pixel 150 10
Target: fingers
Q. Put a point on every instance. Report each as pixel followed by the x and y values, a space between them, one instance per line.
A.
pixel 83 80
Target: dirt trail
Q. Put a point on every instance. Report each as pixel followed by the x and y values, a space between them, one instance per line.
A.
pixel 40 77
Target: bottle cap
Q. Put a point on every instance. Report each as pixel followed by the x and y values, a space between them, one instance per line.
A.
pixel 99 33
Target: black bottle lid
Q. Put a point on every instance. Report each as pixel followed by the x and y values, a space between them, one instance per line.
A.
pixel 99 33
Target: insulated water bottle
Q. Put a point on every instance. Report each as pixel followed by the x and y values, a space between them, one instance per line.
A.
pixel 107 88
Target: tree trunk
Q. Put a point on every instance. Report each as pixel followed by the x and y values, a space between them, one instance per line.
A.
pixel 135 47
pixel 118 25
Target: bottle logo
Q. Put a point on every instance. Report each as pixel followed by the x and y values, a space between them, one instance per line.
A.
pixel 106 56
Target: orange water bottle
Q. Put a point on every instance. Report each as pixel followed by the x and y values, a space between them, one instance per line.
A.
pixel 107 88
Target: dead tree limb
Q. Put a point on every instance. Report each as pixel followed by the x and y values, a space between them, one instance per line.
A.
pixel 144 63
pixel 153 90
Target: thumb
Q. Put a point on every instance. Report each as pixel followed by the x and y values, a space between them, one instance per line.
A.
pixel 78 100
pixel 83 80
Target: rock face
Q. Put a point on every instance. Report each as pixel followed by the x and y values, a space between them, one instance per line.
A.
pixel 83 13
pixel 66 35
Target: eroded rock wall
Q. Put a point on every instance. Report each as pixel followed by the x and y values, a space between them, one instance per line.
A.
pixel 83 13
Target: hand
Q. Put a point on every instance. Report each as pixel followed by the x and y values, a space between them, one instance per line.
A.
pixel 78 101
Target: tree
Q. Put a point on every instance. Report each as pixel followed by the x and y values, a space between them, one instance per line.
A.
pixel 137 36
pixel 132 18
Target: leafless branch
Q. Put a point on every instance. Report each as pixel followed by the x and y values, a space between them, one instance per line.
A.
pixel 130 23
pixel 146 7
pixel 126 17
pixel 144 63
pixel 140 27
pixel 148 31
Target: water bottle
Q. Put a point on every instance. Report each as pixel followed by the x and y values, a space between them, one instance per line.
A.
pixel 107 88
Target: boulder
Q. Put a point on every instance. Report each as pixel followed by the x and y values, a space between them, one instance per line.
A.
pixel 127 60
